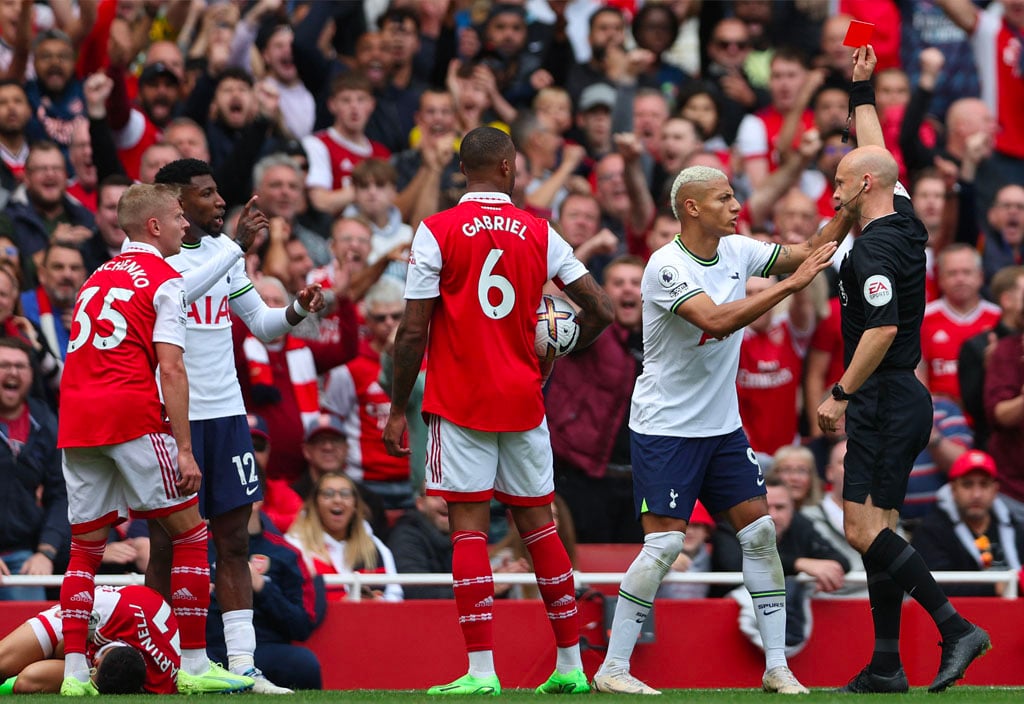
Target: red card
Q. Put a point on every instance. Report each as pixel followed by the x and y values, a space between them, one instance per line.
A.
pixel 859 33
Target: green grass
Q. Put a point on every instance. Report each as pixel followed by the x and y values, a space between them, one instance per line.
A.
pixel 964 695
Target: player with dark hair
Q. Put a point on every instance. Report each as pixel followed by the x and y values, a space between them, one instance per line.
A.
pixel 888 410
pixel 132 646
pixel 217 288
pixel 475 280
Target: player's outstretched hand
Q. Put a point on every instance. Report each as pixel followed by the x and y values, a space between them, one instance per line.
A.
pixel 191 477
pixel 250 223
pixel 809 268
pixel 395 434
pixel 311 298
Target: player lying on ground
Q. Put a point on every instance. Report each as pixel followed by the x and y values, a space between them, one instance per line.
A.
pixel 132 646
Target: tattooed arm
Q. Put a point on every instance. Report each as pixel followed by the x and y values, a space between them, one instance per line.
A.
pixel 597 312
pixel 791 256
pixel 410 345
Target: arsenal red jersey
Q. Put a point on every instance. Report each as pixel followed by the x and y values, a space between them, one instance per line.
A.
pixel 138 616
pixel 997 53
pixel 767 383
pixel 486 261
pixel 108 390
pixel 332 158
pixel 943 332
pixel 353 394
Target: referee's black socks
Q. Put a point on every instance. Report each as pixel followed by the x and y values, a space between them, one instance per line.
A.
pixel 886 599
pixel 907 568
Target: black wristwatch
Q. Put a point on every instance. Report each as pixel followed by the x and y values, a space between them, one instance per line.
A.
pixel 839 394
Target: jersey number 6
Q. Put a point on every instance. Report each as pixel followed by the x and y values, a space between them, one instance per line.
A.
pixel 489 280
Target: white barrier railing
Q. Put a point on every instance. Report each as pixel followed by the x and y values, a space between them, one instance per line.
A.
pixel 354 582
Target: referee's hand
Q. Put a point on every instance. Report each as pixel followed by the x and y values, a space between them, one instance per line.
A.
pixel 830 412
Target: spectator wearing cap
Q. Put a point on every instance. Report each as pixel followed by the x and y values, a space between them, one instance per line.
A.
pixel 135 128
pixel 325 449
pixel 281 503
pixel 55 94
pixel 971 529
pixel 695 557
pixel 279 381
pixel 594 119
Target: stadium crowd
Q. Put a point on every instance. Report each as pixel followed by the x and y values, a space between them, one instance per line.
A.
pixel 345 119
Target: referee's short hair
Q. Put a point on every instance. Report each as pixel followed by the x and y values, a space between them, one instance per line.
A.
pixel 484 148
pixel 693 174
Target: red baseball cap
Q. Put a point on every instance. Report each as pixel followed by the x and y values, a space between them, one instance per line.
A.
pixel 973 460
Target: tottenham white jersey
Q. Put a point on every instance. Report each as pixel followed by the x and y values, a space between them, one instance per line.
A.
pixel 217 287
pixel 688 386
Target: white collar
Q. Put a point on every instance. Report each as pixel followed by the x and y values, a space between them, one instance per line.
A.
pixel 485 197
pixel 138 247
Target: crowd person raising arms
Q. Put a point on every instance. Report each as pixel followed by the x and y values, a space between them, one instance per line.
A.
pixel 474 285
pixel 686 435
pixel 888 410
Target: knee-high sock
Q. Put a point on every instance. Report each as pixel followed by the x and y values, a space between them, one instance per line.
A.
pixel 557 589
pixel 908 569
pixel 886 599
pixel 77 594
pixel 636 594
pixel 474 596
pixel 190 585
pixel 763 577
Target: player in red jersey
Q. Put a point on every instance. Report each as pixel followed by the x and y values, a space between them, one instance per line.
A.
pixel 475 279
pixel 130 318
pixel 133 646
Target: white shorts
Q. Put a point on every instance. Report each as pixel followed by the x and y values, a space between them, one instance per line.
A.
pixel 473 465
pixel 106 484
pixel 49 629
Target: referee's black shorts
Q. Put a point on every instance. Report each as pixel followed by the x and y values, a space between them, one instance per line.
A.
pixel 888 423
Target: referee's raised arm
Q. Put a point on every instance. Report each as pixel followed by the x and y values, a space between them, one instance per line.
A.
pixel 869 133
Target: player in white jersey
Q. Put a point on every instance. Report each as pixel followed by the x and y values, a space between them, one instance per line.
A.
pixel 217 288
pixel 686 438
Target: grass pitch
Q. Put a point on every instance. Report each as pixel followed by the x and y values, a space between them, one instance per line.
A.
pixel 917 695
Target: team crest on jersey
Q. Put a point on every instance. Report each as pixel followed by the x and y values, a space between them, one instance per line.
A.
pixel 667 276
pixel 878 290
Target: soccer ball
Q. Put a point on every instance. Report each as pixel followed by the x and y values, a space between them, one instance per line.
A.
pixel 557 329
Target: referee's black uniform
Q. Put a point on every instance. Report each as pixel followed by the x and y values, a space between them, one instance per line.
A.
pixel 889 418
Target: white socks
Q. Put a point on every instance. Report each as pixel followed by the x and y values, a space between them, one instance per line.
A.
pixel 568 660
pixel 481 663
pixel 195 661
pixel 636 594
pixel 240 639
pixel 75 665
pixel 762 575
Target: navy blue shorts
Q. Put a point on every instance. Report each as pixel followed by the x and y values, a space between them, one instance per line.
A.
pixel 670 473
pixel 223 449
pixel 888 423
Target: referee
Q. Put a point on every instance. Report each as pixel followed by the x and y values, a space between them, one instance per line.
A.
pixel 888 411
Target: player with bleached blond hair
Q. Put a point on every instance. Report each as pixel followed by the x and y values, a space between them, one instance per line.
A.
pixel 687 441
